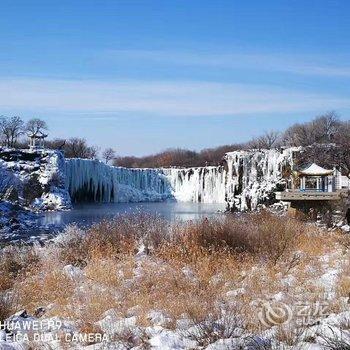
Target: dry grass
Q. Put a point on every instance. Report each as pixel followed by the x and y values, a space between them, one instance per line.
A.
pixel 187 271
pixel 8 306
pixel 262 236
pixel 13 261
pixel 45 285
pixel 343 283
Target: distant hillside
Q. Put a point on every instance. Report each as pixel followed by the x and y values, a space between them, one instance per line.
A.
pixel 325 129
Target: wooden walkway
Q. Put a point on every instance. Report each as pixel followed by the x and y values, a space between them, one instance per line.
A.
pixel 296 195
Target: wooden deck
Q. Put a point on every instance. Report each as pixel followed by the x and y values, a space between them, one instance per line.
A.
pixel 297 195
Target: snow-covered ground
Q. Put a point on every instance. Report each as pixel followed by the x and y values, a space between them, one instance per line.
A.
pixel 34 179
pixel 300 303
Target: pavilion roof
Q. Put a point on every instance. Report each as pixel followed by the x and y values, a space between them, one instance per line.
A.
pixel 38 134
pixel 315 169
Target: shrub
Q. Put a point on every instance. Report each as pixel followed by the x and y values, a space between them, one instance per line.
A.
pixel 219 324
pixel 14 261
pixel 6 306
pixel 261 235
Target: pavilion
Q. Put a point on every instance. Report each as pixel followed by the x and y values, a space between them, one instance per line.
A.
pixel 37 139
pixel 315 184
pixel 316 178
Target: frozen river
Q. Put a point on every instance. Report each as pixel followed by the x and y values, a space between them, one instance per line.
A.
pixel 87 214
pixel 49 224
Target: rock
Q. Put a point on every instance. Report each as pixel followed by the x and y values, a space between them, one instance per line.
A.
pixel 72 272
pixel 255 342
pixel 22 313
pixel 39 312
pixel 158 318
pixel 346 228
pixel 13 221
pixel 11 194
pixel 15 227
pixel 26 176
pixel 32 189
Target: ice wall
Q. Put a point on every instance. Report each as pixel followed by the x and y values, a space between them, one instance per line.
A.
pixel 92 180
pixel 250 178
pixel 205 184
pixel 253 176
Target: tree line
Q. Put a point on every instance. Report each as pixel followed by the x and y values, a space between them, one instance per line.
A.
pixel 12 128
pixel 323 129
pixel 14 133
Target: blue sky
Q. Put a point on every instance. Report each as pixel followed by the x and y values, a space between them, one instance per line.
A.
pixel 142 76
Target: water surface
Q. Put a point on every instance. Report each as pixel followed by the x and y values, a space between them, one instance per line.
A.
pixel 90 213
pixel 49 224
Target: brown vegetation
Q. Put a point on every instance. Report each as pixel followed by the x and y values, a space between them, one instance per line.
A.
pixel 324 129
pixel 213 273
pixel 178 157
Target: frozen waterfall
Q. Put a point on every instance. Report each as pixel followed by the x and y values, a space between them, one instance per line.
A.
pixel 92 180
pixel 249 178
pixel 206 184
pixel 254 175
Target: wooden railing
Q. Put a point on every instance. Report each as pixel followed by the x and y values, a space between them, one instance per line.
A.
pixel 317 195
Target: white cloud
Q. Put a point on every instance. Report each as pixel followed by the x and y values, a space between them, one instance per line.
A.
pixel 168 98
pixel 318 65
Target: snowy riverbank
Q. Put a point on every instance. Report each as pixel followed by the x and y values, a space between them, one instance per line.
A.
pixel 142 283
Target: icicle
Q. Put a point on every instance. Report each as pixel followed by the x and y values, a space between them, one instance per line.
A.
pixel 93 180
pixel 254 174
pixel 250 179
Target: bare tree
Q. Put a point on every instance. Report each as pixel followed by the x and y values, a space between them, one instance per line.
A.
pixel 36 125
pixel 325 127
pixel 322 129
pixel 108 155
pixel 11 129
pixel 78 148
pixel 343 140
pixel 266 141
pixel 270 138
pixel 58 144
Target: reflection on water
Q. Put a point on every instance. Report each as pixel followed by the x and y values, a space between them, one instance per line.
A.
pixel 87 214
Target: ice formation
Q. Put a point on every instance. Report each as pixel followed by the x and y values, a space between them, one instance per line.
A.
pixel 205 184
pixel 253 176
pixel 34 179
pixel 95 181
pixel 248 179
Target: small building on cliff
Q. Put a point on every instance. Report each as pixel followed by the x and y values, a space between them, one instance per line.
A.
pixel 37 140
pixel 316 190
pixel 315 183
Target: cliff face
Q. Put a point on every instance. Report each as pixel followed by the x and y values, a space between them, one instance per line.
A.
pixel 254 175
pixel 33 179
pixel 45 180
